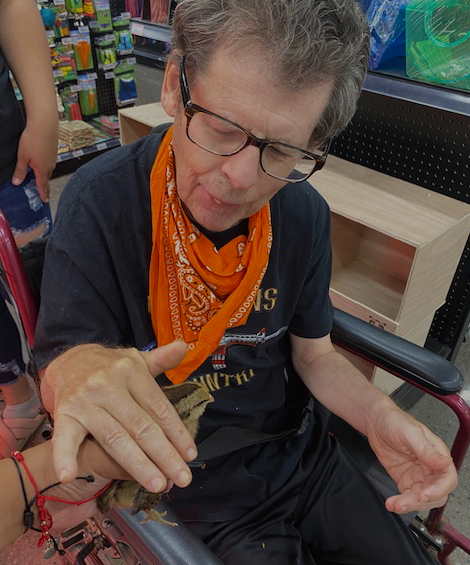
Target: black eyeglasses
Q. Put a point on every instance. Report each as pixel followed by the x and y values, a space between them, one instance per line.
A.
pixel 223 137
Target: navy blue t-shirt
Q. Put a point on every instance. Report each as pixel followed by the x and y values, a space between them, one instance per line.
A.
pixel 95 289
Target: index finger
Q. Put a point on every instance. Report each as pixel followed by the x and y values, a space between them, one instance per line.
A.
pixel 66 440
pixel 42 183
pixel 157 405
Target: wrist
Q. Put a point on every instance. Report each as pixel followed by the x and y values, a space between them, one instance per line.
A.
pixel 38 460
pixel 381 407
pixel 43 119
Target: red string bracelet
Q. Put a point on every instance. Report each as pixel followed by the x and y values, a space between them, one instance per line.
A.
pixel 45 517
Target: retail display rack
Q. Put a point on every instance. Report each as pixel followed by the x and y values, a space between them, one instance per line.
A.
pixel 151 41
pixel 93 66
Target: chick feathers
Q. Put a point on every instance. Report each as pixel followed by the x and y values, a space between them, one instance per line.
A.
pixel 190 400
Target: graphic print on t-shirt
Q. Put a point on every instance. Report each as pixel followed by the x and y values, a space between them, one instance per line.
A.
pixel 219 357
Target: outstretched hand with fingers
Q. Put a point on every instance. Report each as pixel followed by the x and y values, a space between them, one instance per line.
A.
pixel 111 394
pixel 416 459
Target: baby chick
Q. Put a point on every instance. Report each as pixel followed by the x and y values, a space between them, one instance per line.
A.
pixel 190 400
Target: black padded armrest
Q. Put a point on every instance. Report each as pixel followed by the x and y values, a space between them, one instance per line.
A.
pixel 160 544
pixel 396 355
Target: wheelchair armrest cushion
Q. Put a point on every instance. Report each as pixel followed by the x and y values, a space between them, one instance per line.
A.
pixel 396 355
pixel 160 543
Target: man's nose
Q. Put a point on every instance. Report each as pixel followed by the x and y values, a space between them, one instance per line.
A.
pixel 242 169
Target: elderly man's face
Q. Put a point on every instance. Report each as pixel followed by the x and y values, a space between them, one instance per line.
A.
pixel 220 191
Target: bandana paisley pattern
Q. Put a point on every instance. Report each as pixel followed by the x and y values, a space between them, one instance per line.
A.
pixel 196 292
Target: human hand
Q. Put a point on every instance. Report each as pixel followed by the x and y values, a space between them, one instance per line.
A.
pixel 111 394
pixel 92 460
pixel 38 149
pixel 416 459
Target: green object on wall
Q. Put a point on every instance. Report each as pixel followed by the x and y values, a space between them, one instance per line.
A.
pixel 438 42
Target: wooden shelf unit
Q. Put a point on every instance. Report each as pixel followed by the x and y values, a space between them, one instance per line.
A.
pixel 395 245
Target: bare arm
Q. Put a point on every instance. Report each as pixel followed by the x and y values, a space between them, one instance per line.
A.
pixel 415 458
pixel 92 460
pixel 24 44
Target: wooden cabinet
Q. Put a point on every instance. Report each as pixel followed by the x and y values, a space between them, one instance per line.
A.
pixel 396 247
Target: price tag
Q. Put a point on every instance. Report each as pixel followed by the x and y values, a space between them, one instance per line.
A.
pixel 77 153
pixel 59 2
pixel 75 88
pixel 125 51
pixel 92 76
pixel 109 75
pixel 126 15
pixel 59 158
pixel 137 29
pixel 58 73
pixel 94 24
pixel 66 41
pixel 101 146
pixel 83 29
pixel 50 33
pixel 131 60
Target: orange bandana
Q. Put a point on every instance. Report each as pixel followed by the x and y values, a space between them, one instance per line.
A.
pixel 196 291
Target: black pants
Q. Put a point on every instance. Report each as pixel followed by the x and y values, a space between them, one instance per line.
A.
pixel 327 514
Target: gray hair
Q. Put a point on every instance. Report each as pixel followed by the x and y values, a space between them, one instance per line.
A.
pixel 306 43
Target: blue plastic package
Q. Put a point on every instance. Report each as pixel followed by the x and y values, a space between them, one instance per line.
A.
pixel 387 20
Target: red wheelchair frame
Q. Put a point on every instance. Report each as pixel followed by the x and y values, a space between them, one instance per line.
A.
pixel 155 544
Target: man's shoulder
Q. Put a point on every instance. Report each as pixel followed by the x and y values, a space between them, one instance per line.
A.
pixel 302 202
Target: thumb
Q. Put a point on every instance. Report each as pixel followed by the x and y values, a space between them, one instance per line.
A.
pixel 434 455
pixel 21 170
pixel 166 357
pixel 435 459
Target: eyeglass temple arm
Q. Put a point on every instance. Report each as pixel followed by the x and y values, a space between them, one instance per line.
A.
pixel 184 83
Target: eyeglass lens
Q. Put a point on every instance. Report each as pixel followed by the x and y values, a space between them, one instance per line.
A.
pixel 219 136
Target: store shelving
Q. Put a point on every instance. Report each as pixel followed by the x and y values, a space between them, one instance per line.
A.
pixel 403 88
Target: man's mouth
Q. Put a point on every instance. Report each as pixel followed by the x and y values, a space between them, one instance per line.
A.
pixel 220 202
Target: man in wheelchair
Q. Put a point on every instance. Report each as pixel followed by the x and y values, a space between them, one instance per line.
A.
pixel 208 232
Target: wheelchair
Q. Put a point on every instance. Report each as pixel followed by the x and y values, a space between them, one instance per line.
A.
pixel 119 538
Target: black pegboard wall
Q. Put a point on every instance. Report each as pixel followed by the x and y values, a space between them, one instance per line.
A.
pixel 105 86
pixel 428 147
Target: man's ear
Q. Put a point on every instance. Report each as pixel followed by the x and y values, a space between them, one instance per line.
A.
pixel 171 92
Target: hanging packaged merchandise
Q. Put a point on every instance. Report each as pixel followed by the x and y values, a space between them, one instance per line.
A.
pixel 88 8
pixel 61 24
pixel 438 42
pixel 106 52
pixel 124 42
pixel 103 16
pixel 122 21
pixel 69 97
pixel 63 62
pixel 74 6
pixel 87 96
pixel 124 39
pixel 124 82
pixel 47 15
pixel 386 20
pixel 82 49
